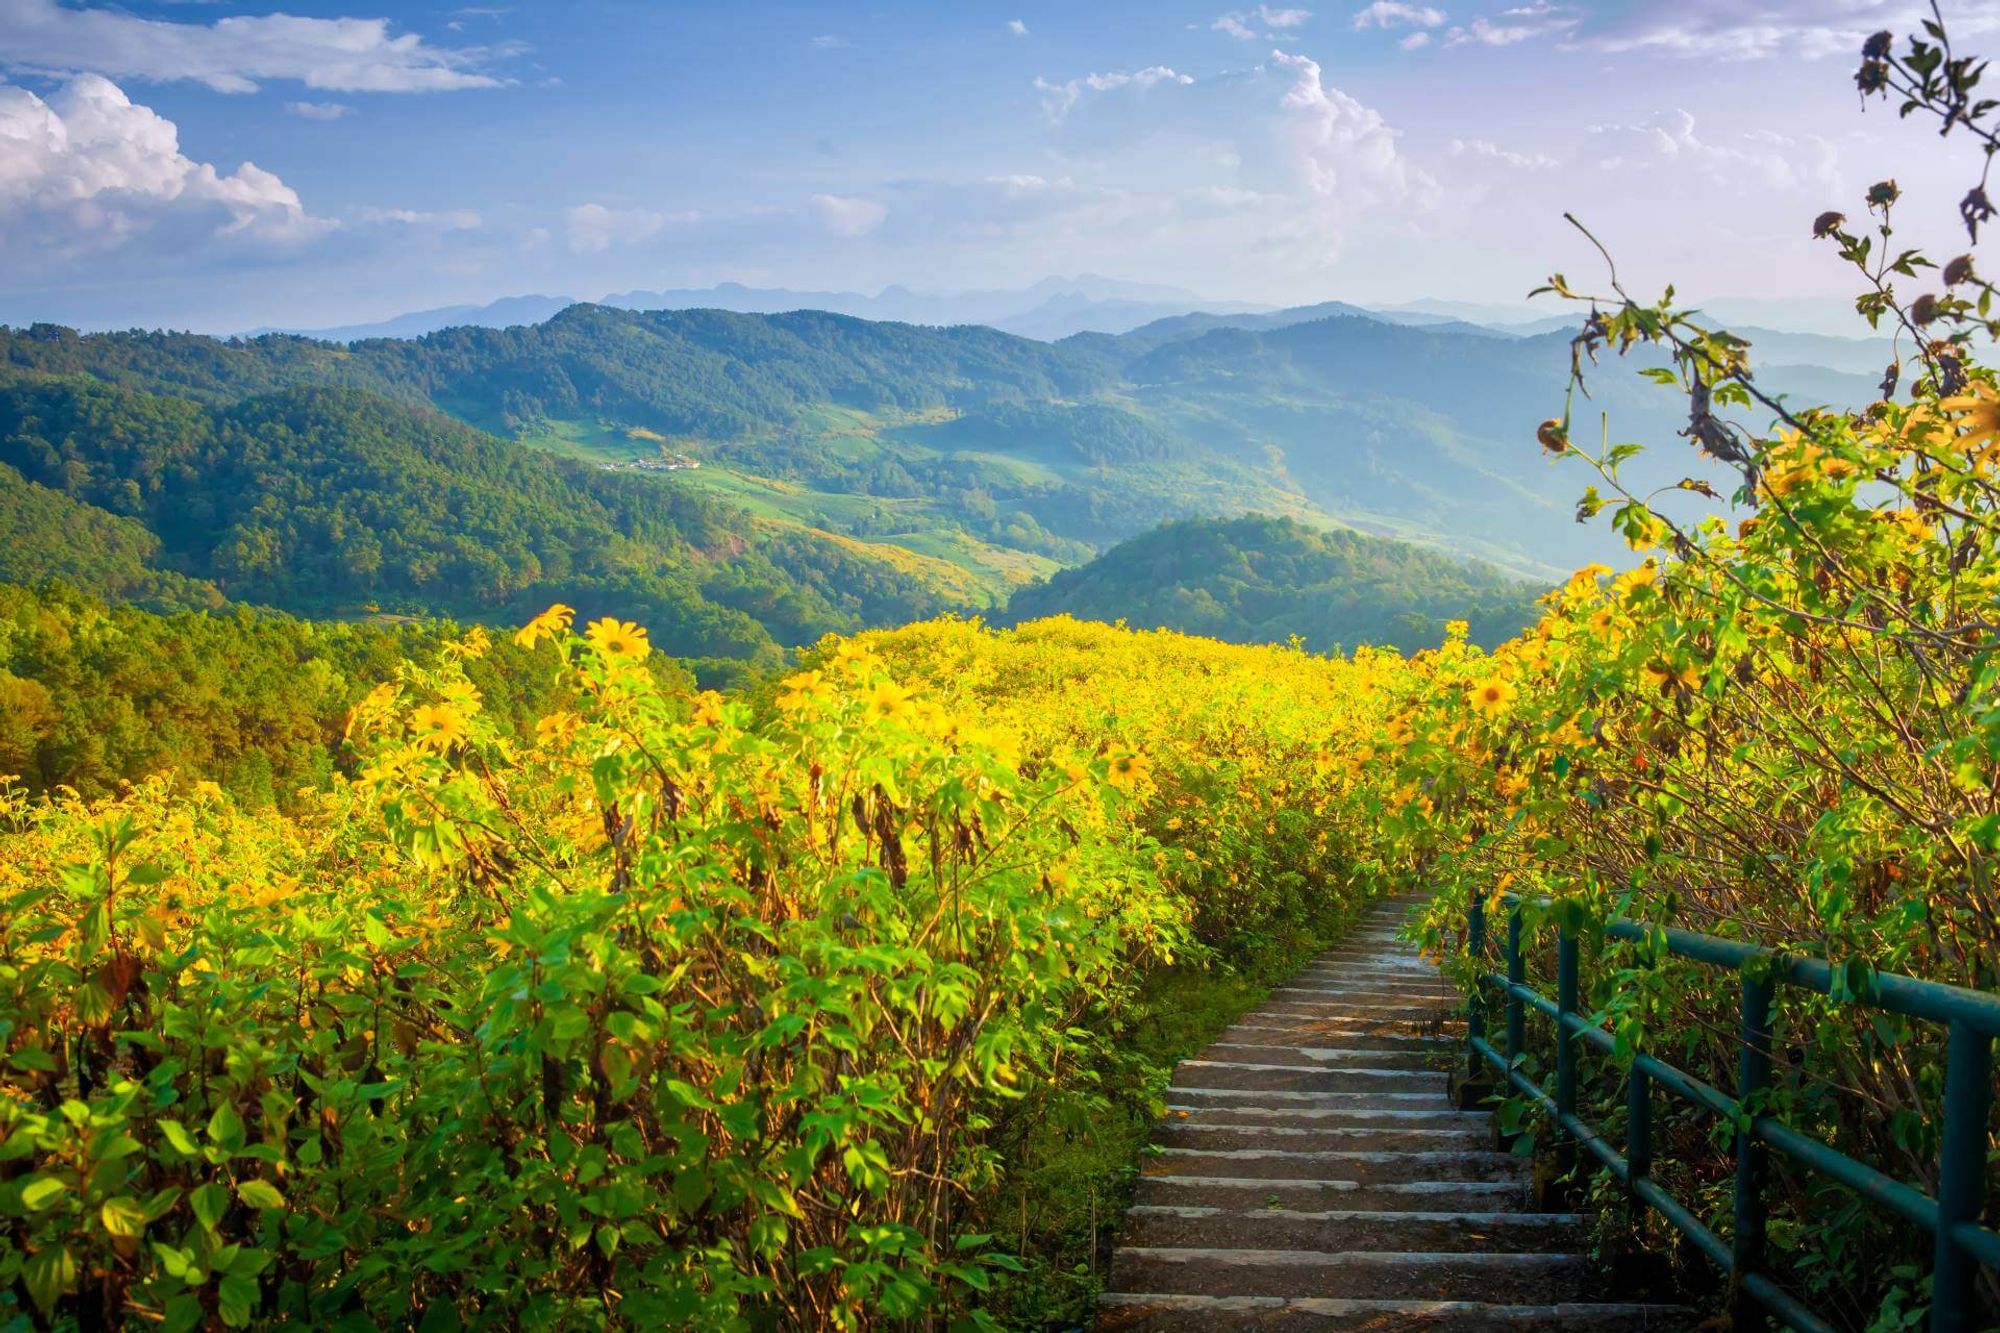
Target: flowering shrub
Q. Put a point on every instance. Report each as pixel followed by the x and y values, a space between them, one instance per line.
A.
pixel 1782 726
pixel 692 1011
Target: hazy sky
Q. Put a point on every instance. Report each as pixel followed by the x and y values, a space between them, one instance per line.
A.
pixel 219 166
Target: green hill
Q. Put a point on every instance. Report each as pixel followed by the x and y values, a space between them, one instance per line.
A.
pixel 989 459
pixel 1265 580
pixel 331 501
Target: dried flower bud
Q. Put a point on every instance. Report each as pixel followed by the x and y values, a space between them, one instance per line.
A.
pixel 1923 310
pixel 1974 209
pixel 1871 78
pixel 1882 194
pixel 1958 270
pixel 1877 47
pixel 1827 223
pixel 1553 437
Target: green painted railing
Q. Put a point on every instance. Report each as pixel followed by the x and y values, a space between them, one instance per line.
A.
pixel 1962 1242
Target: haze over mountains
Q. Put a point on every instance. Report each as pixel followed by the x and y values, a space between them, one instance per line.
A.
pixel 1052 308
pixel 1059 307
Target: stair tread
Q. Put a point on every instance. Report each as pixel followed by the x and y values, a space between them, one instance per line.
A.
pixel 1312 1169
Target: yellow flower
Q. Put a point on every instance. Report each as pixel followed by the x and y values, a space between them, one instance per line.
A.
pixel 1913 524
pixel 708 708
pixel 555 727
pixel 806 688
pixel 1666 676
pixel 1977 414
pixel 1628 583
pixel 438 726
pixel 1492 698
pixel 1128 770
pixel 547 625
pixel 887 699
pixel 618 640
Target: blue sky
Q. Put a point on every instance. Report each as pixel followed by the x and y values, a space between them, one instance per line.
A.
pixel 220 166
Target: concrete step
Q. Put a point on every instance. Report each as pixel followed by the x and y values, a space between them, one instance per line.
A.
pixel 1535 1279
pixel 1258 1075
pixel 1423 1114
pixel 1386 1017
pixel 1334 1031
pixel 1165 1225
pixel 1368 1167
pixel 1161 1312
pixel 1364 1007
pixel 1242 1193
pixel 1209 1136
pixel 1333 1056
pixel 1274 1098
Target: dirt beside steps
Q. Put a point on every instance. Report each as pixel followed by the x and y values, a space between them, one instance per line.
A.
pixel 1313 1173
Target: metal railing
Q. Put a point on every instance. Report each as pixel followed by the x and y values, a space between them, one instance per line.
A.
pixel 1953 1219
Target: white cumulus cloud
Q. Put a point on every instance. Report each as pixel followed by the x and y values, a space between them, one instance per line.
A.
pixel 1345 150
pixel 594 228
pixel 1058 98
pixel 456 219
pixel 1018 28
pixel 1520 24
pixel 1396 14
pixel 1735 30
pixel 1237 23
pixel 1493 152
pixel 89 171
pixel 233 55
pixel 846 216
pixel 319 110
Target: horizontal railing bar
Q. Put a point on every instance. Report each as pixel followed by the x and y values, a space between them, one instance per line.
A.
pixel 1683 1221
pixel 1910 1204
pixel 1982 1243
pixel 1933 1000
pixel 1784 1305
pixel 1765 1291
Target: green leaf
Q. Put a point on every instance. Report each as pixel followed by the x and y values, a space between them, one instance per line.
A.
pixel 260 1194
pixel 177 1136
pixel 225 1127
pixel 49 1275
pixel 42 1191
pixel 209 1202
pixel 123 1217
pixel 236 1299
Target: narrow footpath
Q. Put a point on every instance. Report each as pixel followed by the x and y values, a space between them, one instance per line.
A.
pixel 1312 1172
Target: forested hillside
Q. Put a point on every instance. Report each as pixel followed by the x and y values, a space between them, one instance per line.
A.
pixel 1001 456
pixel 1268 580
pixel 333 501
pixel 96 695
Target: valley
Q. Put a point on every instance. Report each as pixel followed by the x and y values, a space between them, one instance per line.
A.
pixel 810 472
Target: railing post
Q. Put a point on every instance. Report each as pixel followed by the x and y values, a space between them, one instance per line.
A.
pixel 1638 1133
pixel 1517 974
pixel 1475 1003
pixel 1753 1078
pixel 1566 987
pixel 1968 1101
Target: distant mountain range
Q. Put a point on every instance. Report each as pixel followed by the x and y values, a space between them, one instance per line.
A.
pixel 1785 333
pixel 971 460
pixel 1050 309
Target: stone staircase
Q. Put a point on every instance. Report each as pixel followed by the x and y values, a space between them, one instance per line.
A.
pixel 1312 1172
